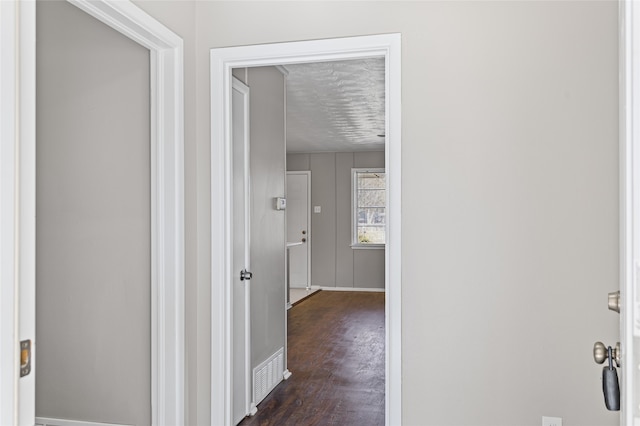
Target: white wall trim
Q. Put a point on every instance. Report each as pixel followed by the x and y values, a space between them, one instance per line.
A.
pixel 17 206
pixel 222 62
pixel 48 421
pixel 369 290
pixel 283 70
pixel 167 188
pixel 10 142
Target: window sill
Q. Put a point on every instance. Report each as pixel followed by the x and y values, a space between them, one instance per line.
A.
pixel 367 246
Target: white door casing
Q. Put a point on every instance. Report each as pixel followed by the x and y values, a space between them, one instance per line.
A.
pixel 298 220
pixel 17 207
pixel 630 210
pixel 223 60
pixel 241 254
pixel 17 193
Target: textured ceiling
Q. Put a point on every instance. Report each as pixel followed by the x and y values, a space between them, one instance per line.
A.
pixel 335 106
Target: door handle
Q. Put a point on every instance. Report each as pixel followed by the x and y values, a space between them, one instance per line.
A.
pixel 304 240
pixel 600 353
pixel 245 275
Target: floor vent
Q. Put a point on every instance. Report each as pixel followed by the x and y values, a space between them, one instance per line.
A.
pixel 267 375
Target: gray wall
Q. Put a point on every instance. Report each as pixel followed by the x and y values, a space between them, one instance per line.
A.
pixel 93 221
pixel 510 205
pixel 510 193
pixel 333 262
pixel 268 243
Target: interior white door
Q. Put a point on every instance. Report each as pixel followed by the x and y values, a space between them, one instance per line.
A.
pixel 241 385
pixel 298 229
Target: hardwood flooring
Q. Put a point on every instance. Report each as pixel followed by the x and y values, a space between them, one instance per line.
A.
pixel 336 355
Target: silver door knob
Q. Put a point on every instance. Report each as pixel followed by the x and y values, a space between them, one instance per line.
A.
pixel 600 353
pixel 614 301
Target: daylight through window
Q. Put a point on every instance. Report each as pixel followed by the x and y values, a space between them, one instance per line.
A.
pixel 369 207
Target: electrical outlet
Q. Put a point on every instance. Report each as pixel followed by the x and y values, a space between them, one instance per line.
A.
pixel 551 421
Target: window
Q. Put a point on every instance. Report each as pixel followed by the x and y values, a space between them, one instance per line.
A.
pixel 368 189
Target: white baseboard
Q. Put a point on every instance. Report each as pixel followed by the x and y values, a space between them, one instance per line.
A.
pixel 313 287
pixel 253 410
pixel 47 421
pixel 375 290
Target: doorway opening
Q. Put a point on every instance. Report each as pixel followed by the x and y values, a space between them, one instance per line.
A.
pixel 223 61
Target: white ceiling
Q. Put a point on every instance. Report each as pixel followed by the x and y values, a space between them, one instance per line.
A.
pixel 335 106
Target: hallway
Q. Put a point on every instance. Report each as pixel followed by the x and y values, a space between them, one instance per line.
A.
pixel 336 355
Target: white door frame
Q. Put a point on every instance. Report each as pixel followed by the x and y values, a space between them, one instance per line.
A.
pixel 629 207
pixel 223 60
pixel 17 205
pixel 17 193
pixel 308 246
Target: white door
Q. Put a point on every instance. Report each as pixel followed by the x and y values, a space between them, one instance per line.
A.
pixel 240 327
pixel 298 221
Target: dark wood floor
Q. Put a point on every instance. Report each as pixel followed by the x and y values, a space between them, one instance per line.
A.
pixel 336 355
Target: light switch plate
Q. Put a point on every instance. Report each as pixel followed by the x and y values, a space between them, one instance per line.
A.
pixel 317 209
pixel 551 421
pixel 281 203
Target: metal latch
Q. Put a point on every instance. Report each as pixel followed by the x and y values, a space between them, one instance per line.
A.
pixel 614 301
pixel 25 357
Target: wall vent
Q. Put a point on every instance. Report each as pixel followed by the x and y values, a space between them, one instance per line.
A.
pixel 267 375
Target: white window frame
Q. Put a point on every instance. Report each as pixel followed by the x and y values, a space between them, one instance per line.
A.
pixel 355 244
